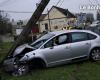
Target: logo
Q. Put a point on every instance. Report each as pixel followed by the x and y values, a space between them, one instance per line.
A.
pixel 90 7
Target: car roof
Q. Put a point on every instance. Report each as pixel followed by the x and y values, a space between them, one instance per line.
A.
pixel 69 31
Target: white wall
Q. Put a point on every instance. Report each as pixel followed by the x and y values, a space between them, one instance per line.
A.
pixel 18 31
pixel 56 19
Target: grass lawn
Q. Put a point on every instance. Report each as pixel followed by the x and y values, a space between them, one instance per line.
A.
pixel 86 70
pixel 4 48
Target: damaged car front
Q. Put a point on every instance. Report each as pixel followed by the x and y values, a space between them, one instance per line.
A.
pixel 12 63
pixel 18 63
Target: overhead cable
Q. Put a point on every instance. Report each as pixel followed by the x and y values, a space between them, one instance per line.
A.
pixel 58 2
pixel 61 3
pixel 16 11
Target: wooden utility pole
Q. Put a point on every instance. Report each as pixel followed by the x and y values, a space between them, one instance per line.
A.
pixel 49 19
pixel 27 29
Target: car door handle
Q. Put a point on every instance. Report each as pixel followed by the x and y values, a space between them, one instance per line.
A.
pixel 51 47
pixel 67 47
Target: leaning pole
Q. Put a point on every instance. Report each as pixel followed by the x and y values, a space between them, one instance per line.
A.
pixel 27 29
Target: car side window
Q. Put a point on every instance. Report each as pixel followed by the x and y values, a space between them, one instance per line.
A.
pixel 58 40
pixel 62 39
pixel 49 44
pixel 91 36
pixel 79 36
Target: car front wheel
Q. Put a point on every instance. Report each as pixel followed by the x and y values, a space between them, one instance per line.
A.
pixel 95 54
pixel 20 70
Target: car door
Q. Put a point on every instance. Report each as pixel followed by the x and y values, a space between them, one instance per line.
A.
pixel 80 44
pixel 57 50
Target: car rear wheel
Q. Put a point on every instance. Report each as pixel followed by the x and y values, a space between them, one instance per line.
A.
pixel 95 54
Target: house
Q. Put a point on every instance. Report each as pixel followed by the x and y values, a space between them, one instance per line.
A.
pixel 56 19
pixel 17 28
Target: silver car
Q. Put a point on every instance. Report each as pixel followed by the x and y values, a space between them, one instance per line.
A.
pixel 56 48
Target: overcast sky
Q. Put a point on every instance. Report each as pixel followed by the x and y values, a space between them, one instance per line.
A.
pixel 30 6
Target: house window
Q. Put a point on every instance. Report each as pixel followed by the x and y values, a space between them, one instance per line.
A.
pixel 51 22
pixel 55 27
pixel 46 26
pixel 61 21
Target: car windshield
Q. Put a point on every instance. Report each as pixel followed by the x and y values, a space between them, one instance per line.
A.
pixel 41 40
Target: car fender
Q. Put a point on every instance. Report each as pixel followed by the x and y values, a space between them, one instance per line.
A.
pixel 94 45
pixel 33 55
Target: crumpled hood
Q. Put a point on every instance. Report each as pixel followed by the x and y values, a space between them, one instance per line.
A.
pixel 19 49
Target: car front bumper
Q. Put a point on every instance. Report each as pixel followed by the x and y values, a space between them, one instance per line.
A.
pixel 9 65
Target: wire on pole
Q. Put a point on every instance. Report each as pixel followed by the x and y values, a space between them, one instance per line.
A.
pixel 58 2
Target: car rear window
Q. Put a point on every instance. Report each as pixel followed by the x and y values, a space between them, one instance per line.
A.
pixel 91 36
pixel 79 36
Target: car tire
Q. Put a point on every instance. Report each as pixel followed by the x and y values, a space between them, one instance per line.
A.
pixel 20 70
pixel 95 54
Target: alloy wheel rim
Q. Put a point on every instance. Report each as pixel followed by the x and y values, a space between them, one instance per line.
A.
pixel 96 54
pixel 20 71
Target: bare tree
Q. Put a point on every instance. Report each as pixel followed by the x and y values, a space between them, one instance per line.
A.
pixel 5 24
